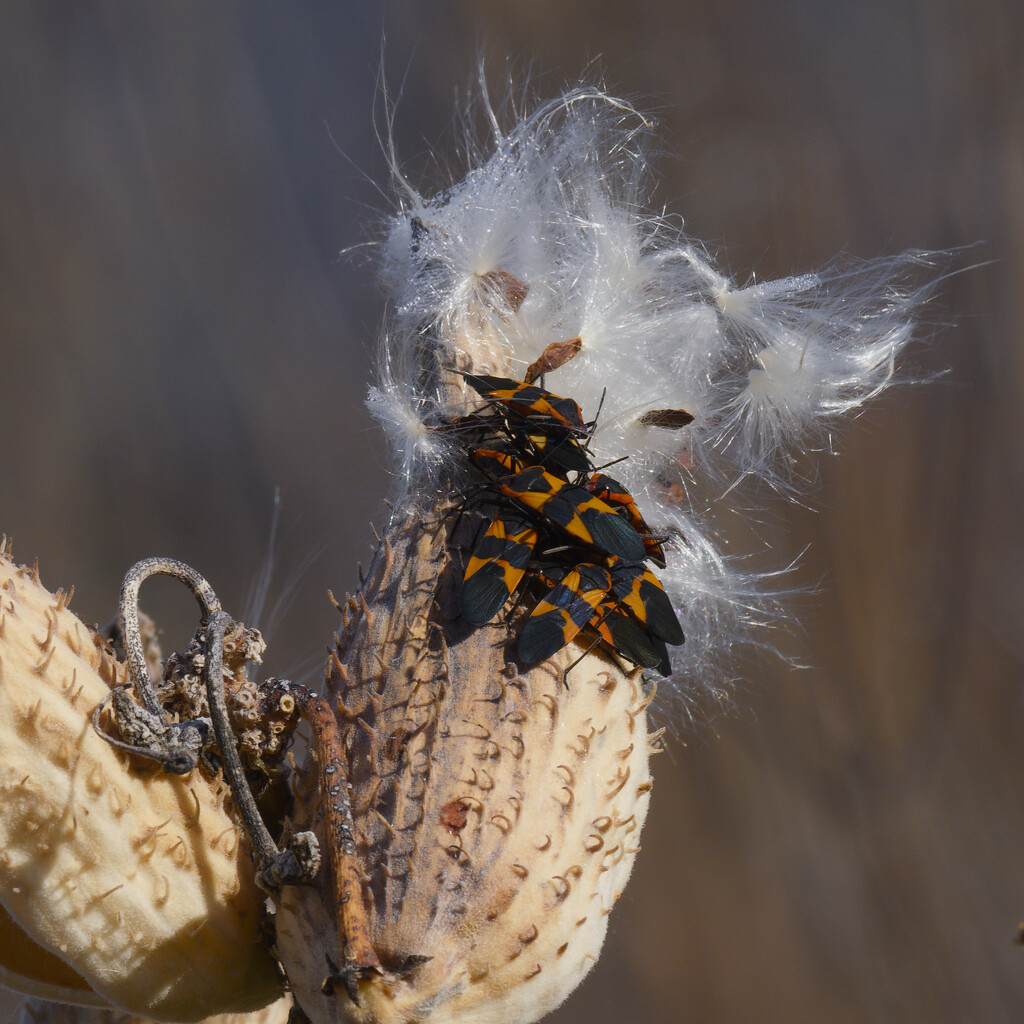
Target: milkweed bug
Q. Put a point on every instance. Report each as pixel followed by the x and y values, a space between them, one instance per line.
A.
pixel 539 423
pixel 555 446
pixel 535 439
pixel 497 566
pixel 562 613
pixel 576 511
pixel 626 637
pixel 529 400
pixel 611 491
pixel 581 515
pixel 497 464
pixel 639 592
pixel 533 446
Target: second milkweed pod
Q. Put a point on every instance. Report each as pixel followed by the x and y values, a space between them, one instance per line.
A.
pixel 137 882
pixel 31 969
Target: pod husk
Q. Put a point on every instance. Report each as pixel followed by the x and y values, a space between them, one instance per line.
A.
pixel 135 879
pixel 498 808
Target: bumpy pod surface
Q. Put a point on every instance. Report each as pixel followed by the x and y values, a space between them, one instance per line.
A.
pixel 137 880
pixel 498 810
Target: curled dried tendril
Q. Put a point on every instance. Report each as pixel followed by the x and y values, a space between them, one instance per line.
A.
pixel 148 731
pixel 177 747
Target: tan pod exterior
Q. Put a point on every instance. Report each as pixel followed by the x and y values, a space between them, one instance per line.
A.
pixel 27 967
pixel 135 879
pixel 498 811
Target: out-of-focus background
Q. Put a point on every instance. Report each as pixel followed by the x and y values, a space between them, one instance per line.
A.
pixel 179 337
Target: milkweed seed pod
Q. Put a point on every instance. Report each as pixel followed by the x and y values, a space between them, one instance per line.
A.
pixel 135 884
pixel 44 1011
pixel 498 811
pixel 498 808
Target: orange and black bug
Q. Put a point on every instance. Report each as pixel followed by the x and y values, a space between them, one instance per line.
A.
pixel 497 566
pixel 611 491
pixel 563 612
pixel 638 591
pixel 542 442
pixel 496 463
pixel 627 638
pixel 554 446
pixel 552 626
pixel 542 426
pixel 583 517
pixel 529 401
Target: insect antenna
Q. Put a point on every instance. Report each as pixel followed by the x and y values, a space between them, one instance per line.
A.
pixel 614 462
pixel 597 415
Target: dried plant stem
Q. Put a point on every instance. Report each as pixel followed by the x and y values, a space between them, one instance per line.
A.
pixel 128 617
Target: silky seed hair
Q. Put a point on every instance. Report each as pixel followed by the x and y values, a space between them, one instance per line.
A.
pixel 560 200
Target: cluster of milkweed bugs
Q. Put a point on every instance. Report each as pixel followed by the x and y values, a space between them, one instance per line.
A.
pixel 561 528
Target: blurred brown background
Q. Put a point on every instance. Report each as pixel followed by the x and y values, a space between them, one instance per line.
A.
pixel 178 338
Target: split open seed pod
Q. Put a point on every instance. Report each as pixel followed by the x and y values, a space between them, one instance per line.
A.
pixel 134 883
pixel 497 807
